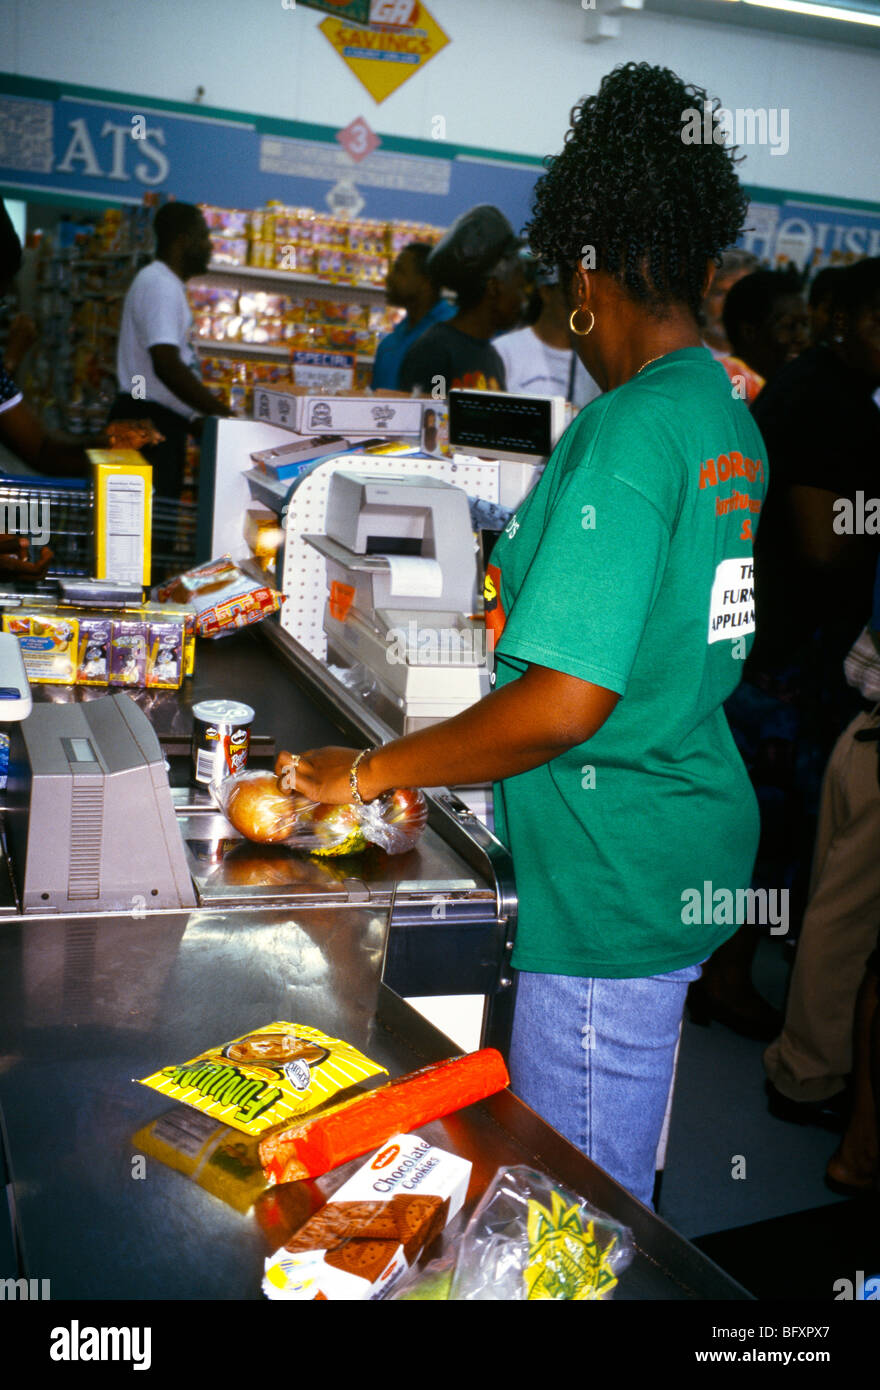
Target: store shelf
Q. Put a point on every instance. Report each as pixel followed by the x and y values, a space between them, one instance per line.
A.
pixel 269 349
pixel 339 289
pixel 66 258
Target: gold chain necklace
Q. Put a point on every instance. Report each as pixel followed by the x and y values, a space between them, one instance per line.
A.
pixel 649 361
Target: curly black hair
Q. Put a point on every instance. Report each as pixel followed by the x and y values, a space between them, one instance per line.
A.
pixel 653 208
pixel 752 298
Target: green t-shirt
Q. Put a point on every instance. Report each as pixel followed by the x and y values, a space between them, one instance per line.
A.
pixel 630 566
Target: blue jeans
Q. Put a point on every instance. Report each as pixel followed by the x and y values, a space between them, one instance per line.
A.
pixel 595 1058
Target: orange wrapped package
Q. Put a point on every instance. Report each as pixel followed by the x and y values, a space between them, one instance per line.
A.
pixel 349 1130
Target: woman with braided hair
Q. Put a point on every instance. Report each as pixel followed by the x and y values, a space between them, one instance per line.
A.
pixel 621 601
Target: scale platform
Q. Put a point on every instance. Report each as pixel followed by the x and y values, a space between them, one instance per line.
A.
pixel 228 870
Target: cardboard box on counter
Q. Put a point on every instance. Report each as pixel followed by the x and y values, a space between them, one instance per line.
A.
pixel 122 483
pixel 374 1227
pixel 357 413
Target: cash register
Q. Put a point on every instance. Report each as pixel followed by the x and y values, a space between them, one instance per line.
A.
pixel 90 824
pixel 402 578
pixel 404 563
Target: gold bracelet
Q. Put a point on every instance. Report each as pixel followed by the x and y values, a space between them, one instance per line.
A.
pixel 353 776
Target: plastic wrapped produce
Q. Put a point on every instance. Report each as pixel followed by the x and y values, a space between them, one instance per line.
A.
pixel 529 1239
pixel 262 811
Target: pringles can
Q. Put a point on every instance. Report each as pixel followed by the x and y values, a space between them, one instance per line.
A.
pixel 221 738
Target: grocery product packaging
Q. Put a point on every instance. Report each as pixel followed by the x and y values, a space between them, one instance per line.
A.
pixel 48 642
pixel 224 598
pixel 148 645
pixel 263 1078
pixel 95 636
pixel 221 1160
pixel 263 535
pixel 261 810
pixel 128 652
pixel 531 1239
pixel 364 414
pixel 374 1228
pixel 353 1127
pixel 122 485
pixel 165 654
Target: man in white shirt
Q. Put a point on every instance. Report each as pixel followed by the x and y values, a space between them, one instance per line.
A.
pixel 540 361
pixel 156 363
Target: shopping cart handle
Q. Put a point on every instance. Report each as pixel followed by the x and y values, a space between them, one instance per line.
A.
pixel 40 480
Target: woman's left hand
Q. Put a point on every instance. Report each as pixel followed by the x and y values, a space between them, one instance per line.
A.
pixel 14 551
pixel 322 774
pixel 132 434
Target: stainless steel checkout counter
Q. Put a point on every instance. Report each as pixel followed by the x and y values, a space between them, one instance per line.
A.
pixel 88 1003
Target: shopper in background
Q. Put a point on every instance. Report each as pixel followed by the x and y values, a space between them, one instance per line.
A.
pixel 21 431
pixel 853 1170
pixel 156 364
pixel 620 791
pixel 822 431
pixel 734 265
pixel 814 572
pixel 478 259
pixel 409 286
pixel 766 322
pixel 809 1064
pixel 540 360
pixel 821 302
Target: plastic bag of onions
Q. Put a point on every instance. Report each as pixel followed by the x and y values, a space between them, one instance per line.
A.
pixel 255 804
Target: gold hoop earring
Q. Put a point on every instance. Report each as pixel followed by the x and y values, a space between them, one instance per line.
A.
pixel 581 332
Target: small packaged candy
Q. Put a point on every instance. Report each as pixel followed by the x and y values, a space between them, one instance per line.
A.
pixel 165 658
pixel 266 1077
pixel 95 634
pixel 128 652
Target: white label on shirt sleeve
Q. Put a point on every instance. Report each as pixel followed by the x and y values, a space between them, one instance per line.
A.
pixel 732 605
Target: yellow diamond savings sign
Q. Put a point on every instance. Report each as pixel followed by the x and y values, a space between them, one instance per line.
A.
pixel 383 59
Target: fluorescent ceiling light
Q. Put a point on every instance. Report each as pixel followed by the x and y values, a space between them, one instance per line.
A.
pixel 818 11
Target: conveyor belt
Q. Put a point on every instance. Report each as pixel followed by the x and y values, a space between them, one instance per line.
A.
pixel 89 1004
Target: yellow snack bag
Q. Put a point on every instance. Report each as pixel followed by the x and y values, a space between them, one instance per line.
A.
pixel 263 1078
pixel 217 1158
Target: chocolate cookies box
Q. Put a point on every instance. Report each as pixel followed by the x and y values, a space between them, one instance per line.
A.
pixel 375 1226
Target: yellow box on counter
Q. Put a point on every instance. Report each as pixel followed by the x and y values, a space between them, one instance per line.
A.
pixel 123 491
pixel 152 645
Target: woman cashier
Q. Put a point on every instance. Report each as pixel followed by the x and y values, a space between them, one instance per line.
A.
pixel 624 613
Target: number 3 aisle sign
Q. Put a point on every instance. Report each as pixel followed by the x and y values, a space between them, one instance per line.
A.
pixel 384 58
